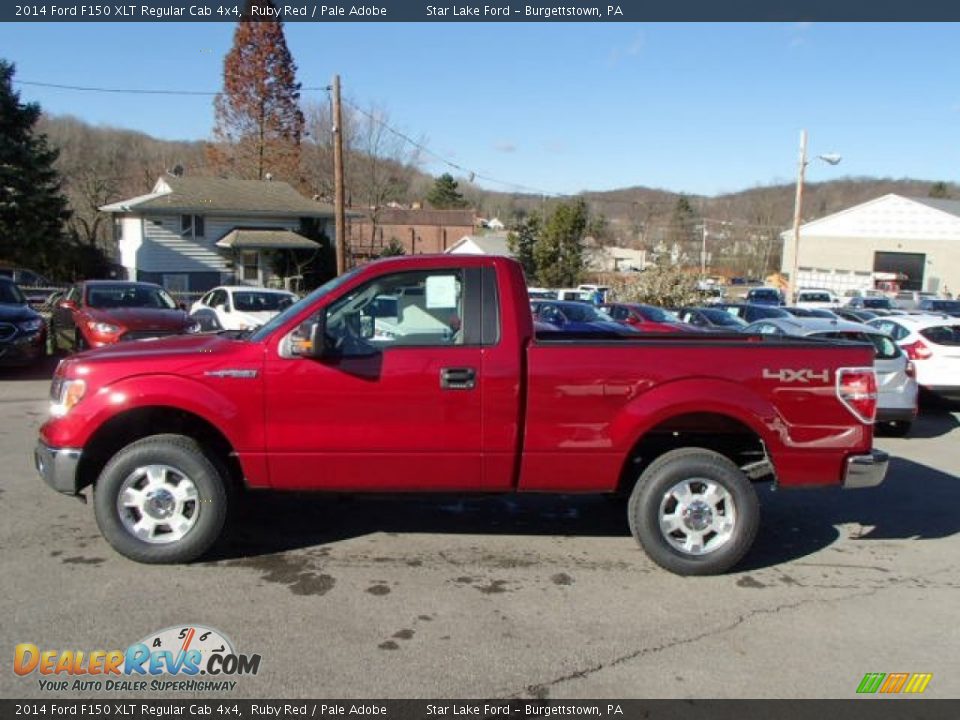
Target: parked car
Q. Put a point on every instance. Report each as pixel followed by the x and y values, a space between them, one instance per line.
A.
pixel 871 302
pixel 855 315
pixel 933 343
pixel 711 318
pixel 815 298
pixel 750 313
pixel 811 312
pixel 646 318
pixel 573 316
pixel 34 286
pixel 23 331
pixel 94 313
pixel 935 306
pixel 765 296
pixel 896 375
pixel 239 307
pixel 911 299
pixel 311 400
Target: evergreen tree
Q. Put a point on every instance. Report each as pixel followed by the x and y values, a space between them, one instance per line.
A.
pixel 939 190
pixel 32 207
pixel 444 194
pixel 521 242
pixel 259 123
pixel 559 249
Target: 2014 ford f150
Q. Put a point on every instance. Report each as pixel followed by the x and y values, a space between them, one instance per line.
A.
pixel 424 375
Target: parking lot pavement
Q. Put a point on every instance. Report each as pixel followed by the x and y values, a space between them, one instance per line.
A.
pixel 507 596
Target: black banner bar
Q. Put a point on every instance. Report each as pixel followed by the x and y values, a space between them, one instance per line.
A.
pixel 866 708
pixel 489 11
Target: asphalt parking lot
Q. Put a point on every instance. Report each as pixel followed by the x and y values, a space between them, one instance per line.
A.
pixel 543 597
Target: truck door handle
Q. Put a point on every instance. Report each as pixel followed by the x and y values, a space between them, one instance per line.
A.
pixel 458 378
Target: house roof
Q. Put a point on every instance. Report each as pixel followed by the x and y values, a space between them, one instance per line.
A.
pixel 947 206
pixel 259 239
pixel 406 216
pixel 208 195
pixel 484 244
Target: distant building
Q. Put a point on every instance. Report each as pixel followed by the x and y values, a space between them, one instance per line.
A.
pixel 614 259
pixel 491 244
pixel 416 230
pixel 918 238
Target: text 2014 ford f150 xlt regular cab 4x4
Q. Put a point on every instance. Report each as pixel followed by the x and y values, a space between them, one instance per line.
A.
pixel 423 375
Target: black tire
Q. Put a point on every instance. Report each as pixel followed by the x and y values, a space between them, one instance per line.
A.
pixel 185 456
pixel 652 493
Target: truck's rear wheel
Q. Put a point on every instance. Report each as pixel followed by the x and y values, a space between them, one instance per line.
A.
pixel 694 512
pixel 161 500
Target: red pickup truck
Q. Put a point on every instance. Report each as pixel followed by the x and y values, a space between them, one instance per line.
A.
pixel 424 375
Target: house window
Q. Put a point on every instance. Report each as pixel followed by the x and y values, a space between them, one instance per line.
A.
pixel 117 229
pixel 251 266
pixel 191 226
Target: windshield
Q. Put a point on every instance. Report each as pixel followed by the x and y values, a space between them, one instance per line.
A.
pixel 942 334
pixel 947 306
pixel 261 301
pixel 582 313
pixel 724 318
pixel 128 296
pixel 884 346
pixel 814 297
pixel 654 314
pixel 264 330
pixel 10 294
pixel 878 302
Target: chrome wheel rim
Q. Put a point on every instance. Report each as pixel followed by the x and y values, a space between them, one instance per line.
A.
pixel 158 504
pixel 697 516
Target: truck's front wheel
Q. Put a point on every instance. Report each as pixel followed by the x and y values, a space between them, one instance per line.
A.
pixel 694 512
pixel 161 500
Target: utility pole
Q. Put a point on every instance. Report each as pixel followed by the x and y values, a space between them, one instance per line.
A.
pixel 797 210
pixel 338 194
pixel 703 251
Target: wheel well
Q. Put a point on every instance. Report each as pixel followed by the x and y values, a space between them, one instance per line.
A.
pixel 720 433
pixel 133 425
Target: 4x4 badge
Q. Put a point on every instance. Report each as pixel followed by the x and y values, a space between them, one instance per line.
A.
pixel 803 375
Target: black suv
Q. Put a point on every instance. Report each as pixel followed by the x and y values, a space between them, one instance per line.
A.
pixel 23 332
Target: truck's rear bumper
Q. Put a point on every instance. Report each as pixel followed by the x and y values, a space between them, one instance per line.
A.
pixel 57 467
pixel 863 471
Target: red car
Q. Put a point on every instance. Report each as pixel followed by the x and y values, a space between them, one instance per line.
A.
pixel 102 312
pixel 647 318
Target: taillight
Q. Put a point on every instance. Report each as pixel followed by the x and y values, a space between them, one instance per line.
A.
pixel 857 389
pixel 917 350
pixel 911 369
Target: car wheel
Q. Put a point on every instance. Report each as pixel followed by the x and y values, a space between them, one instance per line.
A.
pixel 161 500
pixel 694 512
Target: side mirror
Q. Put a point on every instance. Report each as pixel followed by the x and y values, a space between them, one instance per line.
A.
pixel 312 343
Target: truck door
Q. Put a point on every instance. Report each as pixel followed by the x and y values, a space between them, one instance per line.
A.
pixel 398 404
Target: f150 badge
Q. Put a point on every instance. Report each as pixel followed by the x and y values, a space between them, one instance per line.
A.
pixel 803 375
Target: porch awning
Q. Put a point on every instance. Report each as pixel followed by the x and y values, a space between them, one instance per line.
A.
pixel 265 240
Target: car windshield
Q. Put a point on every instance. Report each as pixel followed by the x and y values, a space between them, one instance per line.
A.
pixel 248 301
pixel 576 312
pixel 724 318
pixel 814 297
pixel 877 302
pixel 942 334
pixel 10 294
pixel 268 327
pixel 947 306
pixel 128 296
pixel 654 314
pixel 884 347
pixel 764 295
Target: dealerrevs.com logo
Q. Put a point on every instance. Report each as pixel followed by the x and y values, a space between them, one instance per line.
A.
pixel 199 658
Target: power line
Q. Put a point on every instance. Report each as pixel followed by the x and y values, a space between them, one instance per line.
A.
pixel 136 91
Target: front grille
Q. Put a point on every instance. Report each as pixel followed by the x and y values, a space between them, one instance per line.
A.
pixel 147 334
pixel 7 331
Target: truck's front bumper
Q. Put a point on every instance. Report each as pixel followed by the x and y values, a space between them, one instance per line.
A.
pixel 863 471
pixel 57 467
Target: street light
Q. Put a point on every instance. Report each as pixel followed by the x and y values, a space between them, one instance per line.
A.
pixel 830 159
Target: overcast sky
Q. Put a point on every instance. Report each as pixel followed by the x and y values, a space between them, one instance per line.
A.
pixel 560 107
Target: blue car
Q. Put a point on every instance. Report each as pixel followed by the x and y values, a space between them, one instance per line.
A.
pixel 580 317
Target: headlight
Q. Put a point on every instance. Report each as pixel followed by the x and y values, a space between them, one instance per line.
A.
pixel 102 328
pixel 64 394
pixel 30 326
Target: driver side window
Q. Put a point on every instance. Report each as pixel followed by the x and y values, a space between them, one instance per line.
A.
pixel 406 309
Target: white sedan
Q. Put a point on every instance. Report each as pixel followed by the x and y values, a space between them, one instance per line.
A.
pixel 933 343
pixel 239 307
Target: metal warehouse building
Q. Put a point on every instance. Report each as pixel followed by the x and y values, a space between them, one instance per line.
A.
pixel 917 237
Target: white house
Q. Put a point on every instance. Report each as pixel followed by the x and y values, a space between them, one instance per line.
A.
pixel 493 244
pixel 915 237
pixel 192 233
